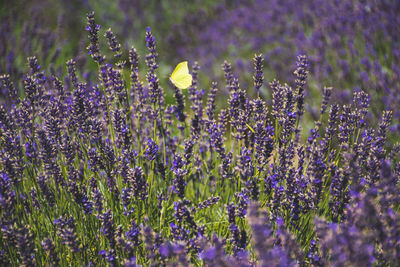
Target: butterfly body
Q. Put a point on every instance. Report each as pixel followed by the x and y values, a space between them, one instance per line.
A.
pixel 180 77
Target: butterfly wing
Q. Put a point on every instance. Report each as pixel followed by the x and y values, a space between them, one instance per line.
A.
pixel 183 82
pixel 180 77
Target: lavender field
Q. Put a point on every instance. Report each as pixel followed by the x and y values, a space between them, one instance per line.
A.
pixel 282 150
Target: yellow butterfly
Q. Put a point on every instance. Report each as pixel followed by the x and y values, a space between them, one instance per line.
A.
pixel 180 77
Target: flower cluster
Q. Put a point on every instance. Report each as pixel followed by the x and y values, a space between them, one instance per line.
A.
pixel 354 46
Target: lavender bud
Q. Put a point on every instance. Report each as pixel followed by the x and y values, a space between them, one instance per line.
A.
pixel 152 150
pixel 179 109
pixel 108 228
pixel 258 72
pixel 26 246
pixel 211 101
pixel 50 249
pixel 8 86
pixel 113 44
pixel 228 73
pixel 72 72
pixel 301 76
pixel 326 95
pixel 93 48
pixel 67 233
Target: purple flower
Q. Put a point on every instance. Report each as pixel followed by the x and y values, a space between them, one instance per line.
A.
pixel 26 246
pixel 108 227
pixel 8 86
pixel 301 76
pixel 49 247
pixel 193 88
pixel 217 139
pixel 66 231
pixel 179 108
pixel 209 202
pixel 133 234
pixel 245 164
pixel 228 73
pixel 326 95
pixel 80 197
pixel 179 182
pixel 93 48
pixel 98 200
pixel 339 194
pixel 124 138
pixel 113 43
pixel 151 152
pixel 211 101
pixel 151 44
pixel 31 89
pixel 109 255
pixel 72 72
pixel 258 72
pixel 31 151
pixel 134 61
pixel 139 183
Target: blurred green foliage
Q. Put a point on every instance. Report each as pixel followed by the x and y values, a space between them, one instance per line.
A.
pixel 54 31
